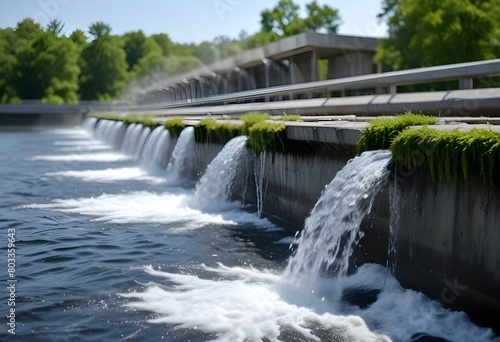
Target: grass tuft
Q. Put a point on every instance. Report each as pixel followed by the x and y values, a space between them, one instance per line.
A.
pixel 175 126
pixel 209 130
pixel 381 132
pixel 267 136
pixel 447 155
pixel 286 117
pixel 251 119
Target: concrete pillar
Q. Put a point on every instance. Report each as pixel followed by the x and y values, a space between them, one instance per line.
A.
pixel 304 67
pixel 351 64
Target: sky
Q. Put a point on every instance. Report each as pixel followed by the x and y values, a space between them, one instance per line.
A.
pixel 185 21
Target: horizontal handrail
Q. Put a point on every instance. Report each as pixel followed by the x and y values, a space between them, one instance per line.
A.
pixel 388 79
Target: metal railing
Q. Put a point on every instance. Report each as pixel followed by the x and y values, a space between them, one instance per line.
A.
pixel 463 72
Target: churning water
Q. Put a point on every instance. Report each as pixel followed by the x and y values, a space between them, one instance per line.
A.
pixel 107 250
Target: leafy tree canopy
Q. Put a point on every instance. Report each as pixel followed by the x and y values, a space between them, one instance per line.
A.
pixel 427 32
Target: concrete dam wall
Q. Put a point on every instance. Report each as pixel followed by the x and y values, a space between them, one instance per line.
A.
pixel 446 236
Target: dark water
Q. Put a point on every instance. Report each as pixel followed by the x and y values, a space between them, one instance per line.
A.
pixel 107 251
pixel 71 268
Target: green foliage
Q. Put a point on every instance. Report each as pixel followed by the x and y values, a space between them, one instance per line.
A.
pixel 145 120
pixel 381 132
pixel 267 136
pixel 40 63
pixel 448 155
pixel 284 19
pixel 209 130
pixel 251 119
pixel 286 117
pixel 321 18
pixel 104 72
pixel 426 33
pixel 47 69
pixel 134 47
pixel 175 126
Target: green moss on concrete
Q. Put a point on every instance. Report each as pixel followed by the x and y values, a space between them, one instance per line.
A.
pixel 103 116
pixel 175 126
pixel 267 136
pixel 381 132
pixel 447 155
pixel 212 131
pixel 290 118
pixel 145 120
pixel 251 119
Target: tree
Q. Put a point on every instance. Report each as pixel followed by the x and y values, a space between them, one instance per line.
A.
pixel 283 19
pixel 321 18
pixel 99 29
pixel 55 26
pixel 427 32
pixel 164 42
pixel 48 69
pixel 134 47
pixel 8 65
pixel 27 29
pixel 104 71
pixel 79 38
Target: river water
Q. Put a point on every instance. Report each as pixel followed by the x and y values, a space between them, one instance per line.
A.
pixel 110 248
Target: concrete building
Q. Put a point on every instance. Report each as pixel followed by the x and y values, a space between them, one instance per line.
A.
pixel 290 60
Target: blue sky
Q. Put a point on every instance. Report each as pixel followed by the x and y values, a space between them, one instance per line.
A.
pixel 185 21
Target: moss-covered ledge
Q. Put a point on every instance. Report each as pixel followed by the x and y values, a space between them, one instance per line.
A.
pixel 381 132
pixel 450 155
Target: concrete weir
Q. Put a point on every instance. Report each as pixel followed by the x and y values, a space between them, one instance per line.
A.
pixel 447 238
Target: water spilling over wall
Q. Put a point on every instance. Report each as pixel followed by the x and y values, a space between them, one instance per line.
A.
pixel 423 245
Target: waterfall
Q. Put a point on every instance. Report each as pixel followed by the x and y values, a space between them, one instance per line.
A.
pixel 89 123
pixel 155 148
pixel 130 138
pixel 134 139
pixel 181 163
pixel 332 230
pixel 213 190
pixel 259 170
pixel 116 134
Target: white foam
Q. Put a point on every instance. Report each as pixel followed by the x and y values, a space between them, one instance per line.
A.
pixel 246 304
pixel 241 305
pixel 84 148
pixel 136 207
pixel 403 313
pixel 110 175
pixel 87 142
pixel 84 157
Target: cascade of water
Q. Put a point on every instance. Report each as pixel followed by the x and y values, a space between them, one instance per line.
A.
pixel 89 123
pixel 141 139
pixel 213 190
pixel 101 130
pixel 160 155
pixel 332 229
pixel 155 148
pixel 131 140
pixel 181 162
pixel 116 134
pixel 259 169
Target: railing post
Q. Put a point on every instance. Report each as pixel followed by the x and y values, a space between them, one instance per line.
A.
pixel 465 83
pixel 393 89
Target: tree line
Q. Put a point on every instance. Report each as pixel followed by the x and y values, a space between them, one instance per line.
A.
pixel 41 63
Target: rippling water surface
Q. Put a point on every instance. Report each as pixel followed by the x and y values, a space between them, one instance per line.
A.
pixel 108 251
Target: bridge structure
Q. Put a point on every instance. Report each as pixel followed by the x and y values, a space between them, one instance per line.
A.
pixel 282 77
pixel 291 60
